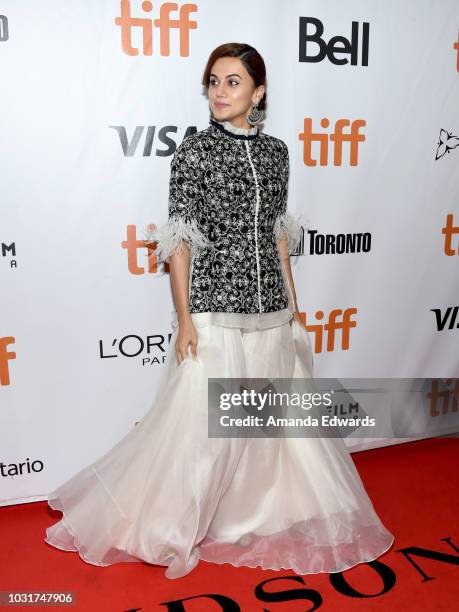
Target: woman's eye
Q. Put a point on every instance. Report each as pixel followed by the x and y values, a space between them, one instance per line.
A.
pixel 213 82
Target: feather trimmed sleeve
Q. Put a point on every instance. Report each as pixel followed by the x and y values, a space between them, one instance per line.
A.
pixel 286 225
pixel 185 200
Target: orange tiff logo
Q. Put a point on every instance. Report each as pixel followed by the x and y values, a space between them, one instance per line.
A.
pixel 5 356
pixel 443 396
pixel 338 321
pixel 333 141
pixel 132 244
pixel 456 48
pixel 164 23
pixel 449 230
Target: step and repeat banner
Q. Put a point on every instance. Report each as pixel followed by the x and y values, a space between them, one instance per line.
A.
pixel 95 96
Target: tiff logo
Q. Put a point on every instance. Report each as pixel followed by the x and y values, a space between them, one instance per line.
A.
pixel 443 396
pixel 132 244
pixel 5 356
pixel 164 23
pixel 449 230
pixel 338 320
pixel 456 48
pixel 334 140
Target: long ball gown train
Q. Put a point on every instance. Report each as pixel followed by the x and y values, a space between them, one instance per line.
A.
pixel 169 495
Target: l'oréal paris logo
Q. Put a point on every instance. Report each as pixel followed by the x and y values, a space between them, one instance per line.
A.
pixel 151 349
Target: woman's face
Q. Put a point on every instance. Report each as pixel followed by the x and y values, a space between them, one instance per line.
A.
pixel 232 91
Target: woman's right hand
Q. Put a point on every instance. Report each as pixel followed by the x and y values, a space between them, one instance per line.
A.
pixel 187 336
pixel 296 317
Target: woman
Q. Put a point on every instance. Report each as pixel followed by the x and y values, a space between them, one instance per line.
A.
pixel 168 493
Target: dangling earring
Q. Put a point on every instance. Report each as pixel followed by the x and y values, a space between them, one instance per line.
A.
pixel 256 115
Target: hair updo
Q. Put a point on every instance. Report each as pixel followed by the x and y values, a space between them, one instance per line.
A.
pixel 249 56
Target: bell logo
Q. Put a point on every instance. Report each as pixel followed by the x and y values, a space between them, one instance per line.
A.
pixel 336 47
pixel 5 356
pixel 334 140
pixel 164 23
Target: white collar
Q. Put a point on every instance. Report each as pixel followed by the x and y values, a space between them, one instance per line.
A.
pixel 238 130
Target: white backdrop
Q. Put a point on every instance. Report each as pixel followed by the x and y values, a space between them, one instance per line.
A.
pixel 88 128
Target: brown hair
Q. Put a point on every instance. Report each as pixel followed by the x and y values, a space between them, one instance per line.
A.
pixel 249 56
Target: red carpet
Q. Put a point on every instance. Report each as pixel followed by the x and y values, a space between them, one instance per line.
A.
pixel 414 487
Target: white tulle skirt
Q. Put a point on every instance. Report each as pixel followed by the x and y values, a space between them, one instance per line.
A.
pixel 169 495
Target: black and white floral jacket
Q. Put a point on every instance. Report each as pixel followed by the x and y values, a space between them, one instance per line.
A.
pixel 228 201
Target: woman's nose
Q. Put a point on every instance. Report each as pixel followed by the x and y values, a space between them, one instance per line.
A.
pixel 221 90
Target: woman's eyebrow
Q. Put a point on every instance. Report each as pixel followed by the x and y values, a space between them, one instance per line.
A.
pixel 228 75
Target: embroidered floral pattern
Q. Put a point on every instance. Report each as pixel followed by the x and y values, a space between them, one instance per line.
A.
pixel 212 205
